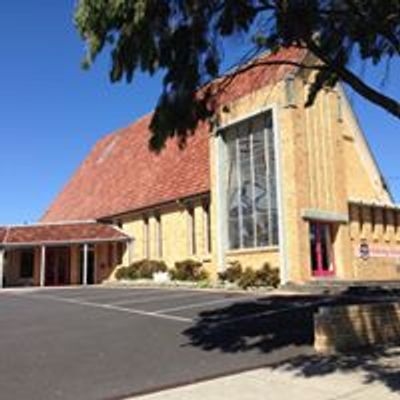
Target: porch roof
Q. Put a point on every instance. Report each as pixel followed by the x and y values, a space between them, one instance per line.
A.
pixel 60 234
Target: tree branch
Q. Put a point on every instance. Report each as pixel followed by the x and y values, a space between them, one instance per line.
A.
pixel 385 102
pixel 228 79
pixel 378 25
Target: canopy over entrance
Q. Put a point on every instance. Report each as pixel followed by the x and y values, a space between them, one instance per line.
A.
pixel 59 234
pixel 60 253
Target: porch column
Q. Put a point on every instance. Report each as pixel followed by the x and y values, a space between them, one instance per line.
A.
pixel 130 251
pixel 2 252
pixel 85 264
pixel 221 237
pixel 42 265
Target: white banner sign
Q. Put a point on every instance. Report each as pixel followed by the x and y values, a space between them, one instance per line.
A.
pixel 366 250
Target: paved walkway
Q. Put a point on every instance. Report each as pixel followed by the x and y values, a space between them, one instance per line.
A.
pixel 350 378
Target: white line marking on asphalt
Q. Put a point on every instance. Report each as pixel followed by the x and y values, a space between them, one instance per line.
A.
pixel 112 307
pixel 112 296
pixel 130 292
pixel 205 303
pixel 155 298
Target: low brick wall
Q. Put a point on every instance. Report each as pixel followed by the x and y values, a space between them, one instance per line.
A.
pixel 344 328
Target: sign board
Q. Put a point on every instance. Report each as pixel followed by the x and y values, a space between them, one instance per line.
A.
pixel 366 251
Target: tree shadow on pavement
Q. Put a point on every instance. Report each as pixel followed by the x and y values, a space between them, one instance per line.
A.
pixel 278 322
pixel 265 324
pixel 378 365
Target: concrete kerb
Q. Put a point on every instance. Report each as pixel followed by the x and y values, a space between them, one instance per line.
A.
pixel 217 289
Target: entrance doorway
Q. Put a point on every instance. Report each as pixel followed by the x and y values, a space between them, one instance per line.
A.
pixel 90 265
pixel 57 266
pixel 322 257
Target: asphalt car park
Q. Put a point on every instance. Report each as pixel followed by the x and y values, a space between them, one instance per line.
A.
pixel 111 343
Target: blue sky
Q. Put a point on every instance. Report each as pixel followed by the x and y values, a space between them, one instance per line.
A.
pixel 52 112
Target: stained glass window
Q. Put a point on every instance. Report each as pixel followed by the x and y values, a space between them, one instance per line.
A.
pixel 251 184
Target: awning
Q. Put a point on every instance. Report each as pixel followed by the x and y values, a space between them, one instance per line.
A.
pixel 324 216
pixel 54 234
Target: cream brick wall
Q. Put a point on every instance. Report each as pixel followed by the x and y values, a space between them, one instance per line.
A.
pixel 378 236
pixel 346 328
pixel 357 177
pixel 175 233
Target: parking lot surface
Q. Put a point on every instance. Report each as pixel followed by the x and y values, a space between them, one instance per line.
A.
pixel 111 343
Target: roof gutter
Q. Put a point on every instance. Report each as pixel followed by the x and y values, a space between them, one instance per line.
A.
pixel 55 243
pixel 143 210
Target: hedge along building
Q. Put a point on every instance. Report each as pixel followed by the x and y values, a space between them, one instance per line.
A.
pixel 272 181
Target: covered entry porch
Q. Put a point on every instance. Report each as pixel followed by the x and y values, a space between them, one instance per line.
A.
pixel 60 254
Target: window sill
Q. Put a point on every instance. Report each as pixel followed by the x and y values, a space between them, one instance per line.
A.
pixel 269 249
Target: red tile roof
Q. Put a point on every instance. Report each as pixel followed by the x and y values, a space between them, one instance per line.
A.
pixel 263 75
pixel 3 232
pixel 121 174
pixel 60 233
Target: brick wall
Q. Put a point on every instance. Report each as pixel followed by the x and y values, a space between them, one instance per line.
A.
pixel 344 328
pixel 176 235
pixel 375 241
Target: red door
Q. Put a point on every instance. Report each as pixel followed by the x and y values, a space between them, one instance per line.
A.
pixel 322 258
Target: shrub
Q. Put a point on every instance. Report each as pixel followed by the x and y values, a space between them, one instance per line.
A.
pixel 143 269
pixel 121 273
pixel 267 276
pixel 248 278
pixel 146 268
pixel 232 273
pixel 188 270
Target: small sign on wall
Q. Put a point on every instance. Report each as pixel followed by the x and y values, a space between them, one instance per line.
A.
pixel 366 251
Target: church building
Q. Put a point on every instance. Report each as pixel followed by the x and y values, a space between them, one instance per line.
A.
pixel 271 181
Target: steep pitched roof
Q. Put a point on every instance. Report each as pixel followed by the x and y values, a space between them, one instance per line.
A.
pixel 121 174
pixel 71 232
